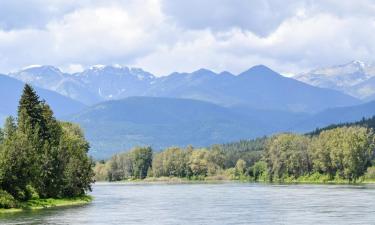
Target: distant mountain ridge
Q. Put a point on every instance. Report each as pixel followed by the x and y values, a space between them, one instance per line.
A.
pixel 337 115
pixel 355 78
pixel 11 90
pixel 162 122
pixel 259 87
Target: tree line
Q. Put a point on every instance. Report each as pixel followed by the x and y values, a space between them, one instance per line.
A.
pixel 41 157
pixel 343 153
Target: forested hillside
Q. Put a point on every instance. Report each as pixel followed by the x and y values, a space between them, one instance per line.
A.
pixel 339 153
pixel 365 122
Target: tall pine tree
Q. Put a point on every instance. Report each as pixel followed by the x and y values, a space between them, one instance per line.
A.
pixel 38 154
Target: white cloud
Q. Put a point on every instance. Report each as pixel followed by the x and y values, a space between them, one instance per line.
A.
pixel 172 35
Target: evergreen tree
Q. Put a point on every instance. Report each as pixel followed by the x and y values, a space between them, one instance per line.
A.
pixel 29 110
pixel 42 155
pixel 10 127
pixel 53 160
pixel 1 136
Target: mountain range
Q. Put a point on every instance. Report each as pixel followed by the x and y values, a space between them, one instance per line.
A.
pixel 162 122
pixel 120 107
pixel 355 78
pixel 259 87
pixel 11 90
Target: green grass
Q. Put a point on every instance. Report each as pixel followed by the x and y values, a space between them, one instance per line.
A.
pixel 35 204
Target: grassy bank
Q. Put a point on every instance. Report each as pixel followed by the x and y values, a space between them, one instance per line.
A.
pixel 36 204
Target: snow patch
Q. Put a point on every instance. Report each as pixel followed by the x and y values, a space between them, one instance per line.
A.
pixel 31 67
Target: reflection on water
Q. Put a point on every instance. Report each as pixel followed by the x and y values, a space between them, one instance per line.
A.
pixel 233 203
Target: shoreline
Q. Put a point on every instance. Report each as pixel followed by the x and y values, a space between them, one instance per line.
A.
pixel 176 180
pixel 39 204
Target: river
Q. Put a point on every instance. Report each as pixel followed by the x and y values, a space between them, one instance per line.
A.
pixel 227 203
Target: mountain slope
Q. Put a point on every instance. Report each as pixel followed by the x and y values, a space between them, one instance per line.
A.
pixel 96 84
pixel 336 116
pixel 11 90
pixel 364 122
pixel 52 78
pixel 162 122
pixel 258 87
pixel 354 78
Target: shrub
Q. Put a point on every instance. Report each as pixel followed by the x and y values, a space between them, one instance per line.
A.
pixel 370 173
pixel 7 201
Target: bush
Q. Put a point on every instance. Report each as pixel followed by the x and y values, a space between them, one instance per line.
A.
pixel 7 201
pixel 370 173
pixel 259 171
pixel 33 194
pixel 230 173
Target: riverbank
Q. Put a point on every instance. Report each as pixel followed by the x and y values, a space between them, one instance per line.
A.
pixel 37 204
pixel 223 179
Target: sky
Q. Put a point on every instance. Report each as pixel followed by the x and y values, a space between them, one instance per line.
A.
pixel 163 36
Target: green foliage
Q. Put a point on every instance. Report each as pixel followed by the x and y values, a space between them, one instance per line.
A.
pixel 129 165
pixel 249 150
pixel 10 127
pixel 1 136
pixel 171 162
pixel 364 122
pixel 101 171
pixel 17 166
pixel 370 173
pixel 344 152
pixel 7 201
pixel 77 174
pixel 240 167
pixel 142 160
pixel 41 157
pixel 198 162
pixel 259 171
pixel 287 155
pixel 340 154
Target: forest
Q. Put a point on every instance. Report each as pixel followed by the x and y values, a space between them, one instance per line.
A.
pixel 41 157
pixel 338 154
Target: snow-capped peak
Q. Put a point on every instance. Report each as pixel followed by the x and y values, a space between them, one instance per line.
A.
pixel 31 67
pixel 97 67
pixel 357 63
pixel 345 77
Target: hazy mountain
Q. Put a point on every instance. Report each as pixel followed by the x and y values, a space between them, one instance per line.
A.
pixel 258 87
pixel 336 116
pixel 11 90
pixel 118 125
pixel 162 122
pixel 355 78
pixel 115 82
pixel 368 122
pixel 52 78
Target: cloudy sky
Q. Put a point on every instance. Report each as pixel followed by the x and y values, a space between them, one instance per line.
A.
pixel 162 36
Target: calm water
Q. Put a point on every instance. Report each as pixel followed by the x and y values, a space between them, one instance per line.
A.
pixel 234 203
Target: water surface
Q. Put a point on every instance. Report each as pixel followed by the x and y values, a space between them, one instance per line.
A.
pixel 229 203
